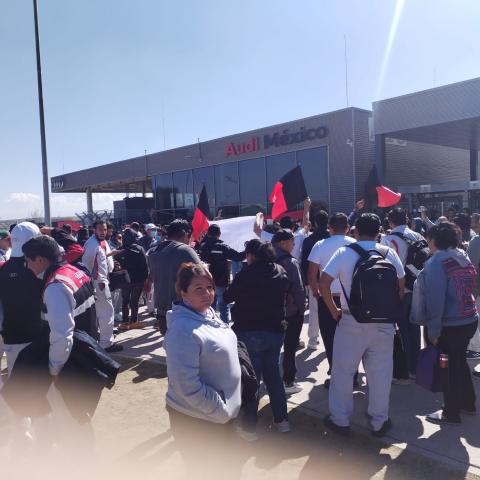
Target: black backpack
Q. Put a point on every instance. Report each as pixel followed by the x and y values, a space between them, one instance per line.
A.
pixel 375 294
pixel 417 254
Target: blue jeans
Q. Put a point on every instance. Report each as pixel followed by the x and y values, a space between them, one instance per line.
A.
pixel 264 350
pixel 220 306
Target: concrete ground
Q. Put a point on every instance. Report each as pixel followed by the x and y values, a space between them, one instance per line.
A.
pixel 130 435
pixel 131 439
pixel 456 446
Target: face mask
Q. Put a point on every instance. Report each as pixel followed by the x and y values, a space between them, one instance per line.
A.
pixel 152 233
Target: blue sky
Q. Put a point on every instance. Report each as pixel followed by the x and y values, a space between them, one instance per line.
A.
pixel 111 67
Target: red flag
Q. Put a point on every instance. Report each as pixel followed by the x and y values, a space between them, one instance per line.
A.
pixel 200 218
pixel 383 196
pixel 288 192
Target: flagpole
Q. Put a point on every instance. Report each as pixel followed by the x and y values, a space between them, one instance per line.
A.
pixel 46 189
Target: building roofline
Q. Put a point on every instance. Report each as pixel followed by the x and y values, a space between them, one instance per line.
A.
pixel 277 125
pixel 428 90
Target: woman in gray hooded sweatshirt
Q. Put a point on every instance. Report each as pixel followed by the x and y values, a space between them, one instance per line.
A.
pixel 204 377
pixel 451 318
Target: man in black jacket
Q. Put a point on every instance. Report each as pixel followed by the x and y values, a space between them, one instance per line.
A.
pixel 133 259
pixel 283 242
pixel 320 222
pixel 217 254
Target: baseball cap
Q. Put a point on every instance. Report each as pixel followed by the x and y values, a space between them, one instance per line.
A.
pixel 4 234
pixel 150 226
pixel 21 234
pixel 281 235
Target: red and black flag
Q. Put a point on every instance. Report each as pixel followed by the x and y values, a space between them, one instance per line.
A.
pixel 288 192
pixel 200 218
pixel 379 194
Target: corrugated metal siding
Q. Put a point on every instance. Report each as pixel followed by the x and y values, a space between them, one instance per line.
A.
pixel 340 162
pixel 364 152
pixel 420 163
pixel 430 107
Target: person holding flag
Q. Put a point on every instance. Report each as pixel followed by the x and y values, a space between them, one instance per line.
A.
pixel 287 193
pixel 200 217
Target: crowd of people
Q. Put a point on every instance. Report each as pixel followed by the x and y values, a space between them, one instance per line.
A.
pixel 377 289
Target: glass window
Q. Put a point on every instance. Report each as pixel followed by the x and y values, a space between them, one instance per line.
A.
pixel 183 191
pixel 162 185
pixel 205 176
pixel 253 196
pixel 227 191
pixel 314 163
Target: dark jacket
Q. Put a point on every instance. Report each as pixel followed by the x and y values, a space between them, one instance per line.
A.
pixel 87 371
pixel 134 261
pixel 317 235
pixel 21 297
pixel 296 295
pixel 146 242
pixel 164 260
pixel 259 292
pixel 217 254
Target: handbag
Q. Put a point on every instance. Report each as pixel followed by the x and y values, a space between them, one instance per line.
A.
pixel 118 279
pixel 428 370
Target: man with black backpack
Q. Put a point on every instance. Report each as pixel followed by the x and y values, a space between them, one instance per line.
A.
pixel 372 281
pixel 413 251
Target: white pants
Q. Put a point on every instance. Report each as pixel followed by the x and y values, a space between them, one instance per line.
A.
pixel 104 308
pixel 373 344
pixel 474 344
pixel 12 351
pixel 313 328
pixel 150 300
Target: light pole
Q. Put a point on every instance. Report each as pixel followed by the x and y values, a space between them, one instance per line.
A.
pixel 46 189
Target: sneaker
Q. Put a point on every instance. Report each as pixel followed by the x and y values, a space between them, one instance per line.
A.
pixel 300 345
pixel 334 427
pixel 291 388
pixel 137 324
pixel 283 426
pixel 439 419
pixel 387 425
pixel 114 348
pixel 471 355
pixel 401 381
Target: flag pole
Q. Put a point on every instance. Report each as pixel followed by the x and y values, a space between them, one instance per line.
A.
pixel 46 189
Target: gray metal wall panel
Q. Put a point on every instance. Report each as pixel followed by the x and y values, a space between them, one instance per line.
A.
pixel 364 152
pixel 418 164
pixel 438 105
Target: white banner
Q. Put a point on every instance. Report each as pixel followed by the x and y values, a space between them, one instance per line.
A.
pixel 236 231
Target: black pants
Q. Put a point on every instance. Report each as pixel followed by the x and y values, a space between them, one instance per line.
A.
pixel 290 344
pixel 130 298
pixel 458 391
pixel 162 322
pixel 327 325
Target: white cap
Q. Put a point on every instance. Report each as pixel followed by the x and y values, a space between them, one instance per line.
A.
pixel 21 234
pixel 150 226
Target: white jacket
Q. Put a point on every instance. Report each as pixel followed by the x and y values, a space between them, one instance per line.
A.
pixel 96 260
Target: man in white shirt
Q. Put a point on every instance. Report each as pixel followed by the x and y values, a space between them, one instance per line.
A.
pixel 405 362
pixel 99 263
pixel 372 343
pixel 287 223
pixel 320 255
